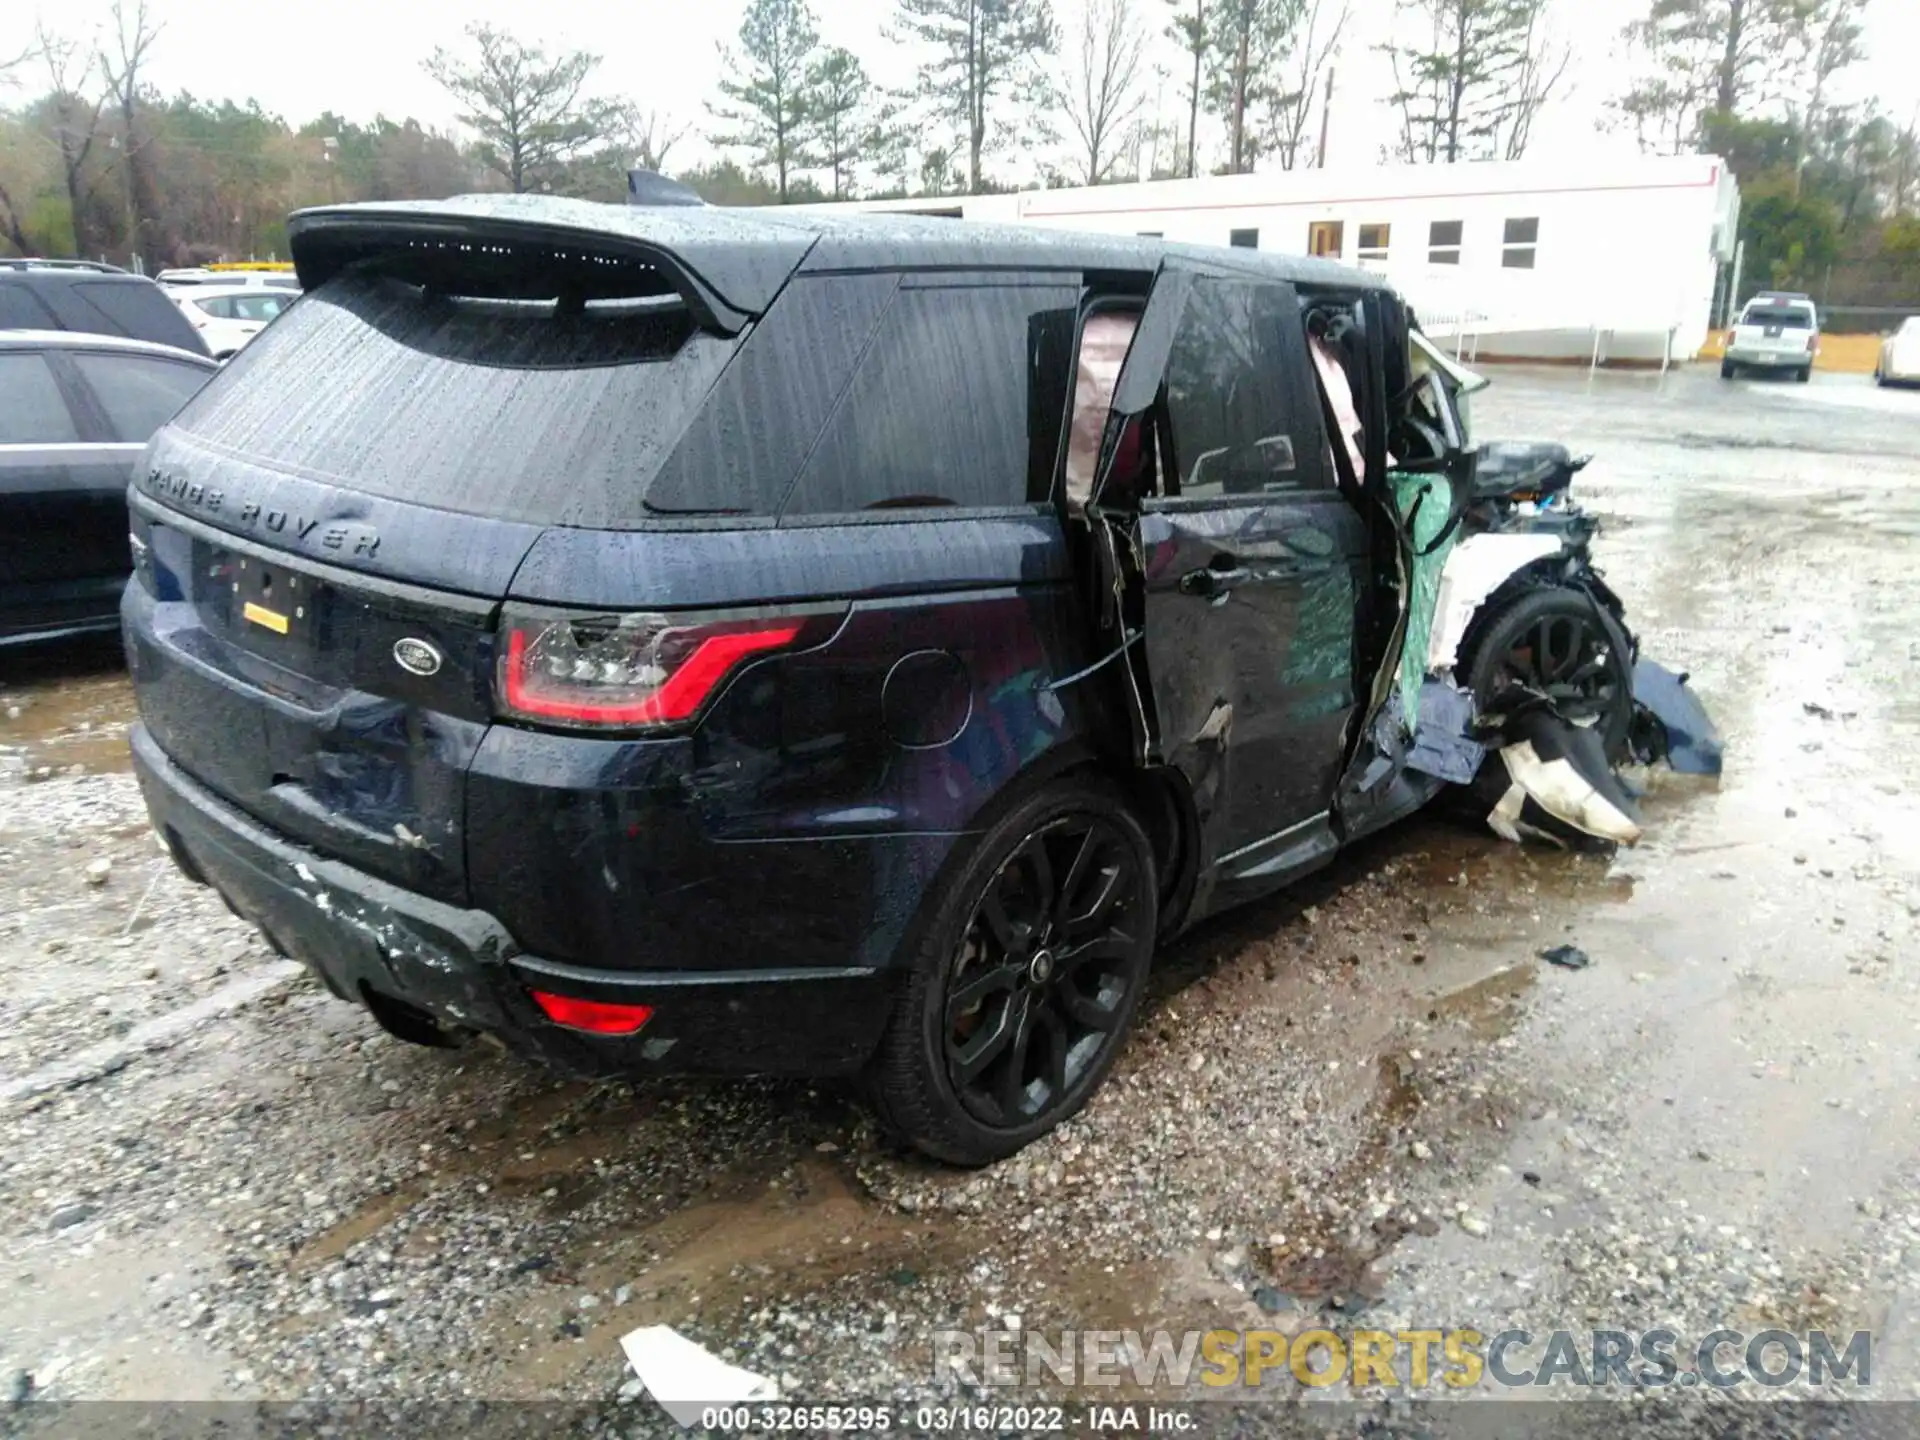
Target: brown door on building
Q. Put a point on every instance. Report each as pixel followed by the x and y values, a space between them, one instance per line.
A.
pixel 1326 238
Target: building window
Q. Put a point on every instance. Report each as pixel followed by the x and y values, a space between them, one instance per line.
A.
pixel 1244 239
pixel 1522 239
pixel 1375 240
pixel 1326 238
pixel 1443 242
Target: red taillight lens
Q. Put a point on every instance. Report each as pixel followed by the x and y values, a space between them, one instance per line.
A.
pixel 625 671
pixel 597 1017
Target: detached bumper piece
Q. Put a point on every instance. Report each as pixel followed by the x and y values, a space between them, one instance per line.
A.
pixel 433 973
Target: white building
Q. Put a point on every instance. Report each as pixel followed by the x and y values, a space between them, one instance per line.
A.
pixel 1617 259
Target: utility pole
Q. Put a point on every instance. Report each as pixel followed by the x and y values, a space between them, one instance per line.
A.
pixel 1326 120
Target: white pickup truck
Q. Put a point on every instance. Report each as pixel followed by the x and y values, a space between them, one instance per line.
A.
pixel 1774 332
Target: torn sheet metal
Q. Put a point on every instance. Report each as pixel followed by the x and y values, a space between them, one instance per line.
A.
pixel 1562 786
pixel 1671 724
pixel 1443 743
pixel 1425 503
pixel 1475 568
pixel 685 1379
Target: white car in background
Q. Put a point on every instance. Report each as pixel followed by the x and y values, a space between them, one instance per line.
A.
pixel 200 276
pixel 1774 333
pixel 228 316
pixel 1900 355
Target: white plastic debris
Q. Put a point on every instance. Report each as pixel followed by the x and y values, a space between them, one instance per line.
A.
pixel 684 1379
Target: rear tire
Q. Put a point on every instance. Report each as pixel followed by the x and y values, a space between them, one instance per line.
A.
pixel 1726 369
pixel 1564 642
pixel 1804 374
pixel 1018 996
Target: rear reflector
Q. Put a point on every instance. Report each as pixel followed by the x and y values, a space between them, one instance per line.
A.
pixel 596 1017
pixel 625 671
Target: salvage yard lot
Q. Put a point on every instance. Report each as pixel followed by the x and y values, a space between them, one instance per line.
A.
pixel 1367 1098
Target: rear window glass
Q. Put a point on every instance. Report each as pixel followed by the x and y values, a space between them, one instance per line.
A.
pixel 32 411
pixel 960 400
pixel 21 310
pixel 135 308
pixel 1791 319
pixel 508 408
pixel 138 394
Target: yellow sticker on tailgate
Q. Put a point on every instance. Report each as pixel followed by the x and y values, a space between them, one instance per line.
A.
pixel 260 615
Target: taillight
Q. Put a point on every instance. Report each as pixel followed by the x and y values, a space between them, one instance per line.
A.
pixel 626 671
pixel 1813 344
pixel 596 1017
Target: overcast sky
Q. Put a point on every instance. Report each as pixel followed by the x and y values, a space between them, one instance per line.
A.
pixel 362 57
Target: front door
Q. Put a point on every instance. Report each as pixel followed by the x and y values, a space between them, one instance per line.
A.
pixel 1251 564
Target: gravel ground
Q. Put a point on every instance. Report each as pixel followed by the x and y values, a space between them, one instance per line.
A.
pixel 1365 1103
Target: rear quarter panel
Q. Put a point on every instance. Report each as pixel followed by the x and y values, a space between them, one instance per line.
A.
pixel 803 819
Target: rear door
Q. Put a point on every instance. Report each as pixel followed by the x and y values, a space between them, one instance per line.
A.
pixel 48 510
pixel 1251 562
pixel 121 399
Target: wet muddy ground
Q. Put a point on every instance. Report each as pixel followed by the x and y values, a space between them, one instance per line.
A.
pixel 1366 1102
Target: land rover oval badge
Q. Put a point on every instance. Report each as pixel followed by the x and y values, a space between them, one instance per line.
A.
pixel 416 657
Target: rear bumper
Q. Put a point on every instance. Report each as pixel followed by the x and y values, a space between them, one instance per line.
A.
pixel 1770 359
pixel 417 962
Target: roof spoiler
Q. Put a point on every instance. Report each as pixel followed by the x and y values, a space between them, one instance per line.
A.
pixel 727 268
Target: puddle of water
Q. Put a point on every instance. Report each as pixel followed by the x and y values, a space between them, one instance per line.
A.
pixel 65 707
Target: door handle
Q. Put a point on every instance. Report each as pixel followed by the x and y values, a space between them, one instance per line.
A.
pixel 1213 583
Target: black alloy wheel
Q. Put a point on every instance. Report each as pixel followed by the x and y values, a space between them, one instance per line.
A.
pixel 1044 970
pixel 1018 995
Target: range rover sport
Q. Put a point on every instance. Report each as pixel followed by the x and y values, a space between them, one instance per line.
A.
pixel 739 641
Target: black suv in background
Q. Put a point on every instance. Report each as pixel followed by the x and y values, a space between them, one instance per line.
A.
pixel 76 412
pixel 91 299
pixel 746 641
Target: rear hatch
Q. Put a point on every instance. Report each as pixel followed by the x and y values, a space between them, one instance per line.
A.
pixel 1785 330
pixel 324 534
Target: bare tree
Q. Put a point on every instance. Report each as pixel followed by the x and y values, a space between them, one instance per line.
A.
pixel 74 123
pixel 132 38
pixel 529 111
pixel 1291 107
pixel 650 136
pixel 1832 42
pixel 1544 61
pixel 1101 88
pixel 984 48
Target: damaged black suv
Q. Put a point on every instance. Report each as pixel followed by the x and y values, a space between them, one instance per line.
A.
pixel 681 638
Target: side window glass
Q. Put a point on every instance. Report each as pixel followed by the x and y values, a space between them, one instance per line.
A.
pixel 32 410
pixel 218 306
pixel 261 308
pixel 138 395
pixel 755 429
pixel 1239 396
pixel 955 403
